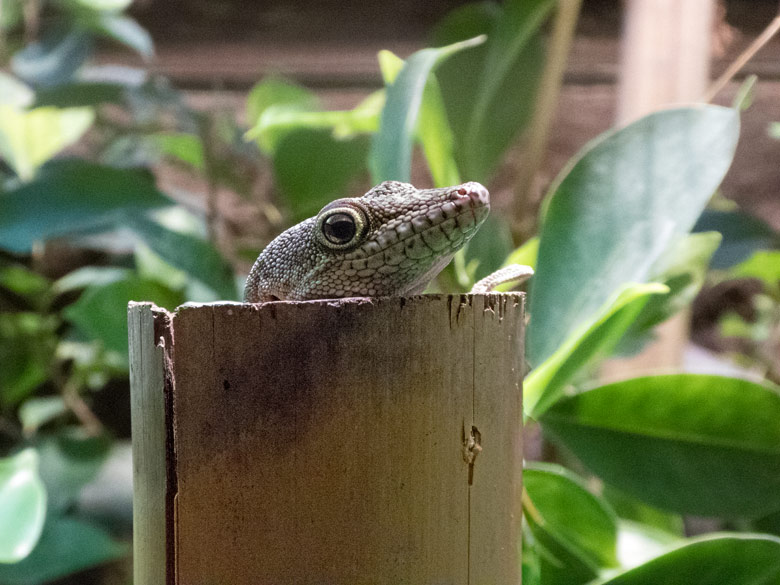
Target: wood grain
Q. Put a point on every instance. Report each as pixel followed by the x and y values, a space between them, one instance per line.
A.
pixel 147 410
pixel 323 442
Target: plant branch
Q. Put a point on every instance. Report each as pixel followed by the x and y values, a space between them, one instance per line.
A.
pixel 770 31
pixel 546 101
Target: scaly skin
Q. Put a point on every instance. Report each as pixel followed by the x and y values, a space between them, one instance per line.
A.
pixel 403 237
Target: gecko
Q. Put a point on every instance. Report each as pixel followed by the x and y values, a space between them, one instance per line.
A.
pixel 392 241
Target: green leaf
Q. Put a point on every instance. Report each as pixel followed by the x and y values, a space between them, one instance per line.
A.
pixel 489 247
pixel 124 30
pixel 742 235
pixel 278 121
pixel 185 251
pixel 745 94
pixel 694 444
pixel 90 276
pixel 55 58
pixel 763 265
pixel 637 512
pixel 525 255
pixel 101 311
pixel 617 209
pixel 490 91
pixel 435 136
pixel 187 148
pixel 67 546
pixel 282 101
pixel 774 130
pixel 22 505
pixel 81 93
pixel 683 269
pixel 312 168
pixel 545 384
pixel 72 196
pixel 105 5
pixel 433 128
pixel 578 520
pixel 37 411
pixel 718 559
pixel 274 92
pixel 29 138
pixel 500 242
pixel 769 524
pixel 69 460
pixel 11 14
pixel 24 281
pixel 638 543
pixel 391 152
pixel 12 91
pixel 27 342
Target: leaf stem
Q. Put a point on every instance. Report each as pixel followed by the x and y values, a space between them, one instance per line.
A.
pixel 770 31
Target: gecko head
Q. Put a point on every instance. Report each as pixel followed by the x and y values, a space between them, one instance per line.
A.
pixel 391 241
pixel 345 224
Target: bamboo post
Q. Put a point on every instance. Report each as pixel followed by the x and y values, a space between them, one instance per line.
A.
pixel 361 441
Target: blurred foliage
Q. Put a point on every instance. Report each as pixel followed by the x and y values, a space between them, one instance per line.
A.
pixel 625 241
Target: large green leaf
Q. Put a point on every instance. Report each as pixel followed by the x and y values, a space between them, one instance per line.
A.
pixel 72 196
pixel 490 91
pixel 718 559
pixel 391 152
pixel 618 208
pixel 575 518
pixel 695 444
pixel 29 138
pixel 546 383
pixel 67 546
pixel 22 505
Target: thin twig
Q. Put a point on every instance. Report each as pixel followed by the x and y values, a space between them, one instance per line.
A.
pixel 206 131
pixel 81 410
pixel 762 39
pixel 546 101
pixel 71 396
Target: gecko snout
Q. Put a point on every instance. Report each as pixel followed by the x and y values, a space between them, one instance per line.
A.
pixel 473 192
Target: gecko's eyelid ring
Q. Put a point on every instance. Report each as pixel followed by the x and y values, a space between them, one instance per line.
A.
pixel 340 227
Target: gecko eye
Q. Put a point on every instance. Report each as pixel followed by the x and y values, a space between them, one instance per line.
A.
pixel 340 227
